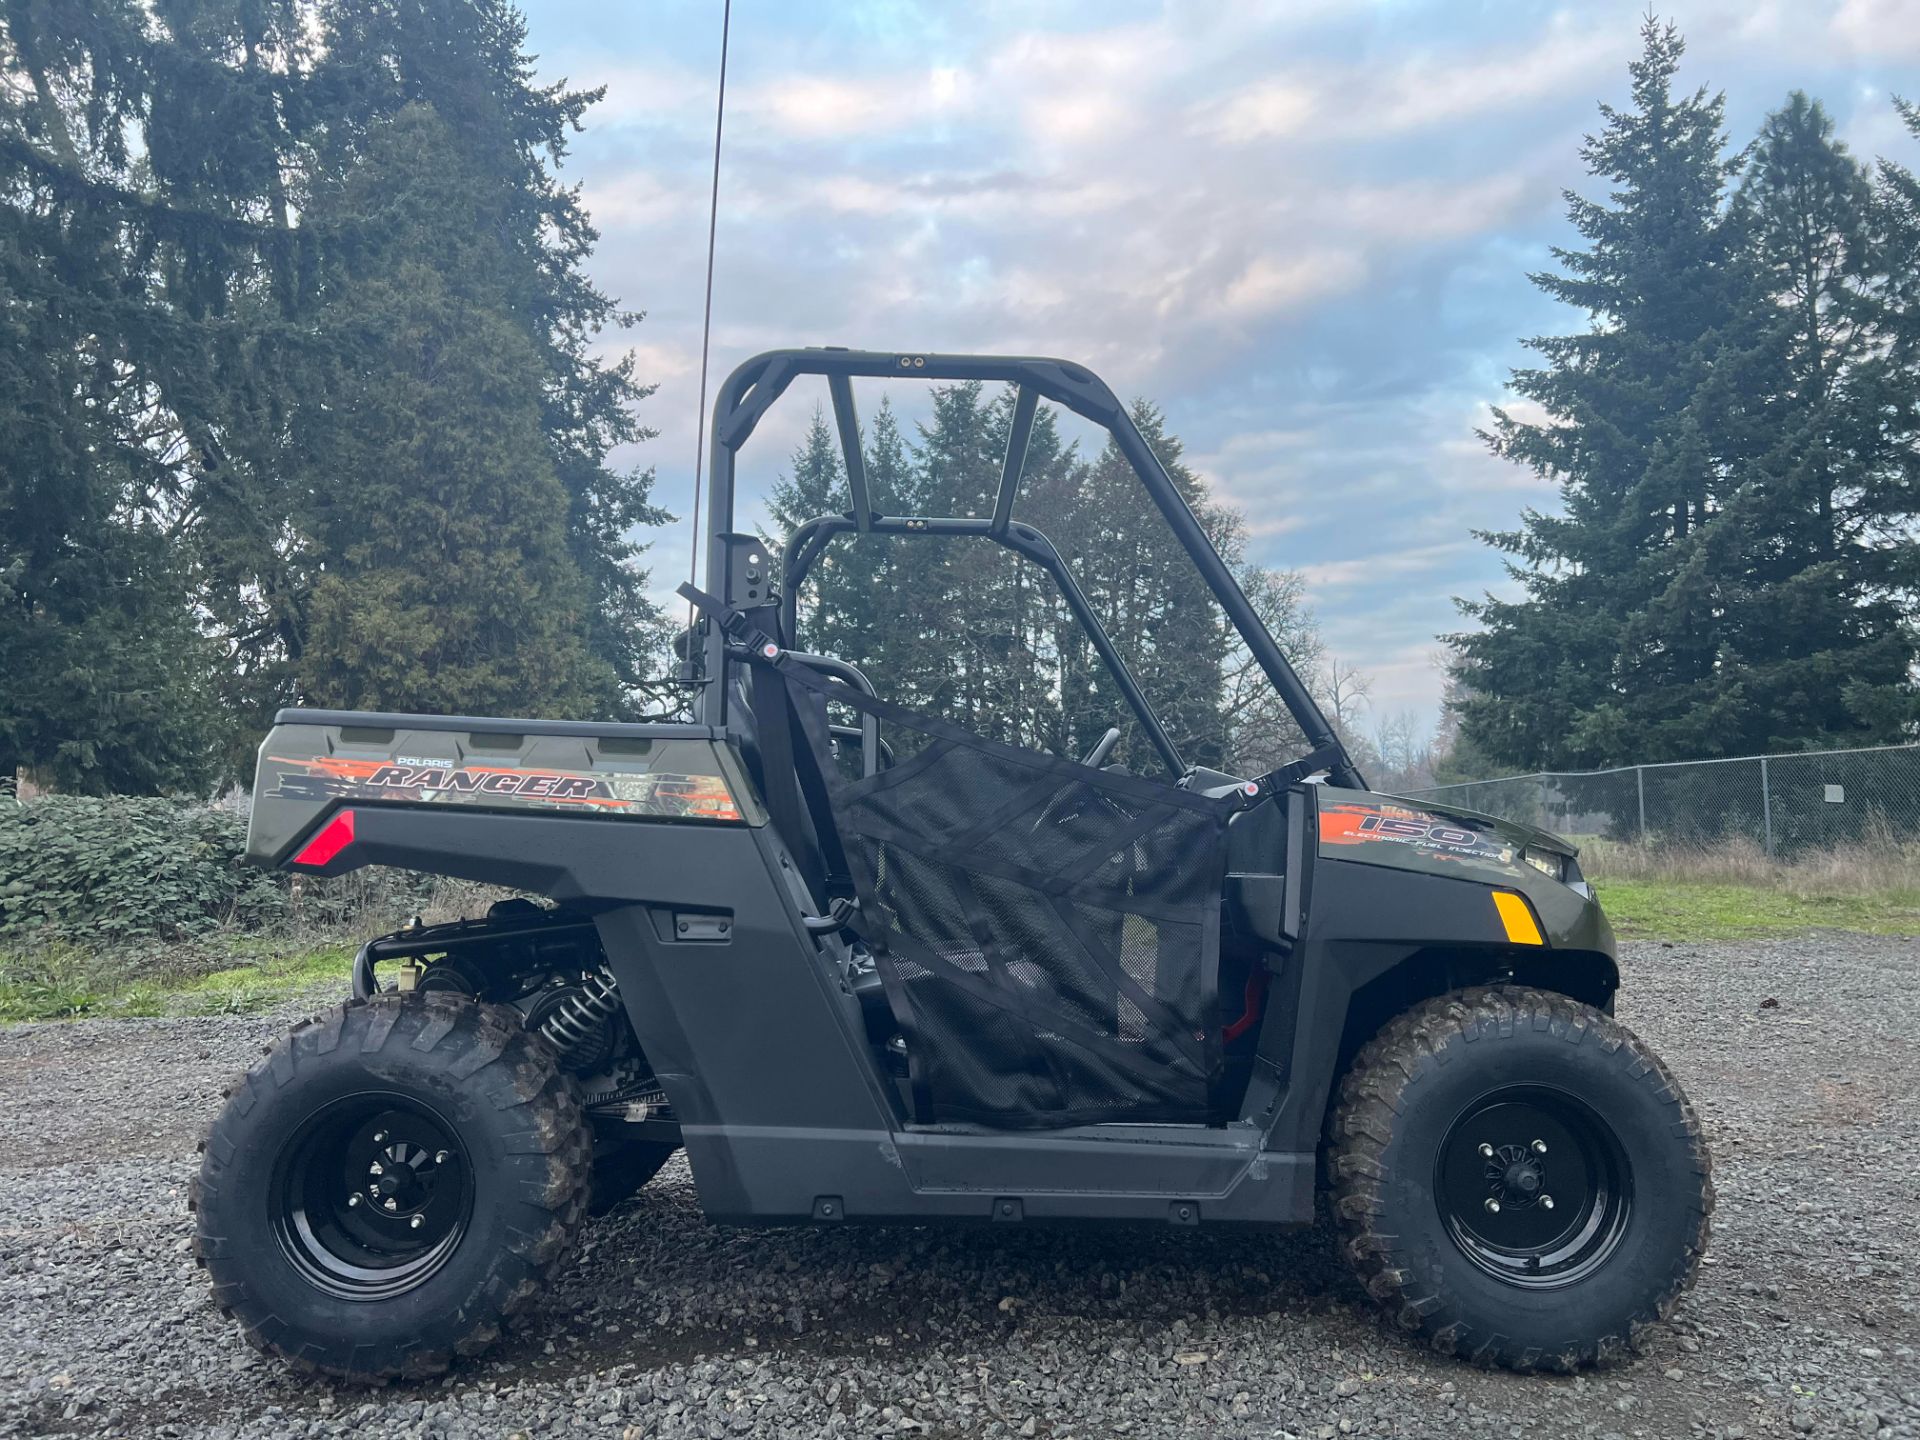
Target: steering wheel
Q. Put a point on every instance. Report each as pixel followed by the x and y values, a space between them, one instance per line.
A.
pixel 1075 794
pixel 1102 748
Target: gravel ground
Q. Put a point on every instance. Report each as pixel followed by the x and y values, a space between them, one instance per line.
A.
pixel 1805 1320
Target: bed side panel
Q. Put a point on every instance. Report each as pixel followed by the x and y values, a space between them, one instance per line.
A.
pixel 306 770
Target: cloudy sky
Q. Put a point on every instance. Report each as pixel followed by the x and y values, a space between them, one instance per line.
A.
pixel 1303 228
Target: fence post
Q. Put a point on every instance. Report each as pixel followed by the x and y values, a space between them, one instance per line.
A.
pixel 1766 806
pixel 1640 787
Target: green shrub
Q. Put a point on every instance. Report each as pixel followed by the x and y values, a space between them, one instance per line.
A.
pixel 117 869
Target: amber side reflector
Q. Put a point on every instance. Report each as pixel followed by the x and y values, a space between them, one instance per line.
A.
pixel 1516 916
pixel 328 841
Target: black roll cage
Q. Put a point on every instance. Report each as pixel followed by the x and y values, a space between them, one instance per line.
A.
pixel 739 572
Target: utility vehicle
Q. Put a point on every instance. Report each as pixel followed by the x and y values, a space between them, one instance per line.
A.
pixel 863 965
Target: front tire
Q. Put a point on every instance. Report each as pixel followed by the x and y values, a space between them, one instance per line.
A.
pixel 395 1180
pixel 1518 1179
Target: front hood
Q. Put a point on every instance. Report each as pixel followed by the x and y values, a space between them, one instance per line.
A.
pixel 1420 835
pixel 1520 834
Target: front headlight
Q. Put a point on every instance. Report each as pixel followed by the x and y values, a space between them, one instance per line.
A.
pixel 1547 862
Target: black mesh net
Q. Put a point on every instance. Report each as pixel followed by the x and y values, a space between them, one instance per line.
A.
pixel 1048 934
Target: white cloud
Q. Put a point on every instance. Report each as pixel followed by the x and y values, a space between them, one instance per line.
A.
pixel 1878 29
pixel 1423 91
pixel 1272 284
pixel 1269 110
pixel 637 89
pixel 1442 88
pixel 1416 211
pixel 1387 564
pixel 815 106
pixel 1849 30
pixel 1404 678
pixel 640 198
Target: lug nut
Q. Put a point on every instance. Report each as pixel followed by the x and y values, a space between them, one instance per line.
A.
pixel 417 1221
pixel 375 1169
pixel 352 1200
pixel 379 1137
pixel 439 1157
pixel 1486 1150
pixel 1539 1147
pixel 1546 1202
pixel 391 1203
pixel 1493 1206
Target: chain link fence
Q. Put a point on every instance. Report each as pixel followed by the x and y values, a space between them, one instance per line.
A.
pixel 1786 804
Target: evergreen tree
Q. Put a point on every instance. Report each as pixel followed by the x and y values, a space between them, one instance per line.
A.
pixel 105 675
pixel 1613 654
pixel 173 244
pixel 448 584
pixel 962 628
pixel 383 68
pixel 816 485
pixel 1811 523
pixel 1897 223
pixel 468 61
pixel 845 608
pixel 979 629
pixel 1149 596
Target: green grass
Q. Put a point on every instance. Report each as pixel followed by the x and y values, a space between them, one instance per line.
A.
pixel 255 986
pixel 1669 909
pixel 64 983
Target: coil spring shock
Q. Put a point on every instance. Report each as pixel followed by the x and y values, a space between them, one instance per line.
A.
pixel 573 1029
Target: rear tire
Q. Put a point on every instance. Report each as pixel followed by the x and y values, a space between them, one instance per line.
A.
pixel 1454 1129
pixel 393 1182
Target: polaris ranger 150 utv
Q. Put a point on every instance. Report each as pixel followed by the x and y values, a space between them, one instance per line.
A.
pixel 863 965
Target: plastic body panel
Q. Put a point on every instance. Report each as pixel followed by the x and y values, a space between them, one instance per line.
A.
pixel 311 761
pixel 761 1046
pixel 761 1051
pixel 1366 910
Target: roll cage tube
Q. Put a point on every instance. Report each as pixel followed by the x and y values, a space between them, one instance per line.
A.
pixel 751 390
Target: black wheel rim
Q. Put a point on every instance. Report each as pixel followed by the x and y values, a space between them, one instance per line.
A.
pixel 1533 1186
pixel 371 1196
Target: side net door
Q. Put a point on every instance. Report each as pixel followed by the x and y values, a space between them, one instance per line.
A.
pixel 1048 934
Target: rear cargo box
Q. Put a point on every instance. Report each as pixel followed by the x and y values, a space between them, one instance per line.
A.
pixel 314 759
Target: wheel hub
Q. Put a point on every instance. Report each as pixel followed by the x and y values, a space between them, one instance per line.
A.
pixel 1514 1177
pixel 1533 1186
pixel 373 1194
pixel 402 1177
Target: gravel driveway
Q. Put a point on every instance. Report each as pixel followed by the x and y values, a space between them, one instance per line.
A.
pixel 1805 1320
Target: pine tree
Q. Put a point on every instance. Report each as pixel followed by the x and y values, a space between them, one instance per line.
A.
pixel 468 61
pixel 845 606
pixel 816 485
pixel 981 627
pixel 1897 223
pixel 173 245
pixel 1812 522
pixel 448 584
pixel 1613 653
pixel 105 673
pixel 1152 601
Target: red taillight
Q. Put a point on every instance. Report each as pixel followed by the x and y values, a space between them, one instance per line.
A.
pixel 328 841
